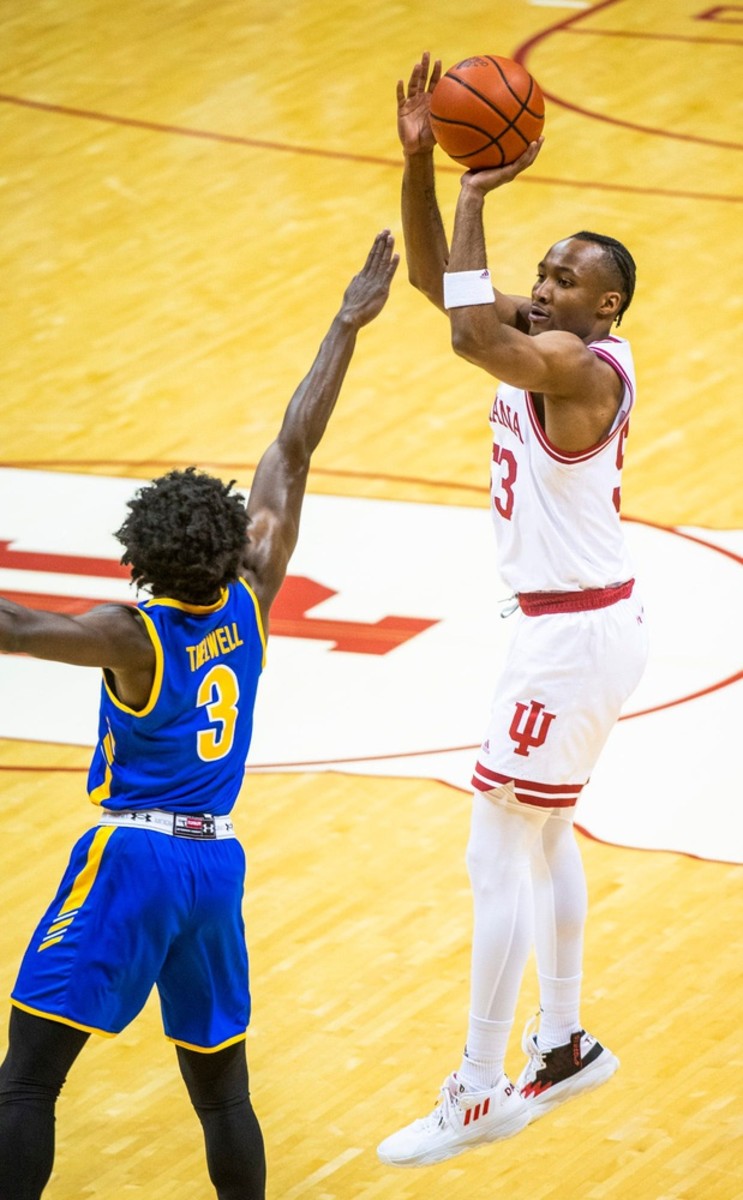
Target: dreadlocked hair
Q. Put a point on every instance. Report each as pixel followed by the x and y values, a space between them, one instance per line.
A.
pixel 620 260
pixel 184 536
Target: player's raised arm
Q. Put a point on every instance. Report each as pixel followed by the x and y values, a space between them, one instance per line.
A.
pixel 479 333
pixel 426 246
pixel 275 502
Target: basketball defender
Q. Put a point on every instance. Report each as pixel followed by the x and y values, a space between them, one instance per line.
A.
pixel 152 894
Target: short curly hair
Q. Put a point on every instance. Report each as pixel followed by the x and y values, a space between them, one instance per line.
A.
pixel 184 536
pixel 620 263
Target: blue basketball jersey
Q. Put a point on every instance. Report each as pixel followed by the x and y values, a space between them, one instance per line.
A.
pixel 185 751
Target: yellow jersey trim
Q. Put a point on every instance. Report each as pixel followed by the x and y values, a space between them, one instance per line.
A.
pixel 157 680
pixel 166 602
pixel 50 1016
pixel 208 1049
pixel 258 617
pixel 103 791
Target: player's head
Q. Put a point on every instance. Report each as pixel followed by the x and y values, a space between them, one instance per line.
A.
pixel 184 536
pixel 620 266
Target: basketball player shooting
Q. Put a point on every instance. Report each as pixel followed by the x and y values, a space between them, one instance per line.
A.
pixel 559 421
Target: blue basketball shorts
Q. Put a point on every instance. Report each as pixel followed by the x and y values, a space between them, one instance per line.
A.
pixel 137 909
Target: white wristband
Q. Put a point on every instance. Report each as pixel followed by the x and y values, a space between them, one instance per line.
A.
pixel 467 287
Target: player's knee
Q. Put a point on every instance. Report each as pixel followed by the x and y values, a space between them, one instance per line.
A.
pixel 15 1089
pixel 215 1081
pixel 491 869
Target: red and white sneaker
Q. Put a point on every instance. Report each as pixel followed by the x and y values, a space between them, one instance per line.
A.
pixel 460 1121
pixel 552 1076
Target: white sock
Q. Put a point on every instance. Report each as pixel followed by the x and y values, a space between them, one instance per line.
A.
pixel 482 1062
pixel 560 1010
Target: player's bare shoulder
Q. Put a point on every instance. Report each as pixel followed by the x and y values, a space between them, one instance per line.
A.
pixel 122 628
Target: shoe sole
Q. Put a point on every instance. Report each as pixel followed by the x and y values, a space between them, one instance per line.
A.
pixel 585 1081
pixel 442 1153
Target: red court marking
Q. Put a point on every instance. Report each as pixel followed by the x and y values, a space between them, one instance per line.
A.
pixel 689 537
pixel 65 564
pixel 291 617
pixel 208 135
pixel 70 606
pixel 660 37
pixel 317 152
pixel 407 754
pixel 476 489
pixel 714 687
pixel 291 614
pixel 592 837
pixel 38 464
pixel 711 14
pixel 567 26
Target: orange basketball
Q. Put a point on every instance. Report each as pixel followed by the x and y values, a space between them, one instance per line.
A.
pixel 485 111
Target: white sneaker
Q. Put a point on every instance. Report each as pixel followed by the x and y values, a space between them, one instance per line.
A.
pixel 552 1076
pixel 460 1121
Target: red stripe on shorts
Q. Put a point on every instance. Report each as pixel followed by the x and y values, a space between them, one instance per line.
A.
pixel 544 795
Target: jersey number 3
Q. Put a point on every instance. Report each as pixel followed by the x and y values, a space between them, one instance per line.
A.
pixel 504 501
pixel 219 693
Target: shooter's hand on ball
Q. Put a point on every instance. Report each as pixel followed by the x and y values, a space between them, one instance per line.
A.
pixel 488 178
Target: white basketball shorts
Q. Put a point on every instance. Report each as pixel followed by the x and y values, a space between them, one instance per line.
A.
pixel 565 680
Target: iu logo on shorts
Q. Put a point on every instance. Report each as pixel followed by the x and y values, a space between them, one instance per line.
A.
pixel 530 726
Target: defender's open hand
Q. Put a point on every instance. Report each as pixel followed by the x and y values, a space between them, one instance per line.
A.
pixel 366 294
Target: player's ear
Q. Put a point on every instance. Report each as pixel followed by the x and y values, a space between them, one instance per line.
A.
pixel 610 304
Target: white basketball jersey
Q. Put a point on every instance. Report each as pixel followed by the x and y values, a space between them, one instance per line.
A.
pixel 556 514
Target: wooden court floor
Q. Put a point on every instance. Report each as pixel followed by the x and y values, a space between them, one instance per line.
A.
pixel 186 190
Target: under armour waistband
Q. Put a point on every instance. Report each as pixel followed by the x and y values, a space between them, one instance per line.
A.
pixel 199 826
pixel 539 604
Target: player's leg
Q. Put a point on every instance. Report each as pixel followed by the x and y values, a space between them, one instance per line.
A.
pixel 66 974
pixel 479 1103
pixel 503 833
pixel 40 1053
pixel 218 1086
pixel 560 908
pixel 597 660
pixel 562 1059
pixel 209 960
